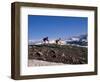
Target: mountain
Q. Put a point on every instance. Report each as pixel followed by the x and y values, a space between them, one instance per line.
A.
pixel 31 42
pixel 80 40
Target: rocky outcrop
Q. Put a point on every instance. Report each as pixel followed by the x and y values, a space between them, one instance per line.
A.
pixel 58 53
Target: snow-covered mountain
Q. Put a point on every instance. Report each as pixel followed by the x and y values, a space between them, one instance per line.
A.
pixel 75 40
pixel 31 42
pixel 78 40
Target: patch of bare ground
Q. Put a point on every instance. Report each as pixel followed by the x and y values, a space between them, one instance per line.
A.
pixel 65 54
pixel 34 62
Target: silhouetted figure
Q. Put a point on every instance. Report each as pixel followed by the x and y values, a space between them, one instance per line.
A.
pixel 58 41
pixel 45 40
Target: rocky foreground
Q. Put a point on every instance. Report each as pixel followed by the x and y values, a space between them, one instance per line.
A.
pixel 65 54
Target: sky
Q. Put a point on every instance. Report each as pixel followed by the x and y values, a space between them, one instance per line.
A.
pixel 55 27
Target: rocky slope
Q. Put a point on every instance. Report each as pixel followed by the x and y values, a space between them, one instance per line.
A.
pixel 66 54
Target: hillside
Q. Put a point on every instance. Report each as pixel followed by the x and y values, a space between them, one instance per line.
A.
pixel 66 54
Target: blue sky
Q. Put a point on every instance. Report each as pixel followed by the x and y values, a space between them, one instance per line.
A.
pixel 55 26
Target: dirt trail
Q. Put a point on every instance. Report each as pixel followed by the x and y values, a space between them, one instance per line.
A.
pixel 33 62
